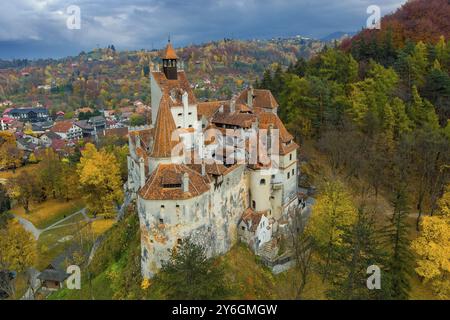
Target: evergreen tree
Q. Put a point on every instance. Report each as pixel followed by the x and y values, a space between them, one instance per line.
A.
pixel 190 275
pixel 361 248
pixel 400 259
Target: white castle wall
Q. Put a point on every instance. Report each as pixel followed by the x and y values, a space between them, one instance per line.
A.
pixel 209 219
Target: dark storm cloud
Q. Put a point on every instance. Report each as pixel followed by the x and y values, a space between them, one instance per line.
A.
pixel 136 24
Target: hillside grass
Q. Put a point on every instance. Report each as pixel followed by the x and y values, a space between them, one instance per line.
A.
pixel 44 214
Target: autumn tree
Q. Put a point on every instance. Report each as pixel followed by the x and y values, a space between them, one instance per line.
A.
pixel 24 188
pixel 99 180
pixel 302 248
pixel 432 247
pixel 5 205
pixel 17 248
pixel 333 211
pixel 10 155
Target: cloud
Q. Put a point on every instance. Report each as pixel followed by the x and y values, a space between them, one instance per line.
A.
pixel 135 24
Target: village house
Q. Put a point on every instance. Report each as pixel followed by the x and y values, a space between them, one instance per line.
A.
pixel 67 130
pixel 194 171
pixel 38 114
pixel 48 137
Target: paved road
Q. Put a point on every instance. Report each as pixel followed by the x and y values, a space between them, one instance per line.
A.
pixel 29 227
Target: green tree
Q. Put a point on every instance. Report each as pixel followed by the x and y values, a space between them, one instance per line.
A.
pixel 360 249
pixel 190 275
pixel 400 258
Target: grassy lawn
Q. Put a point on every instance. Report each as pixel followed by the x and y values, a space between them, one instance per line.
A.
pixel 7 174
pixel 54 242
pixel 45 214
pixel 101 226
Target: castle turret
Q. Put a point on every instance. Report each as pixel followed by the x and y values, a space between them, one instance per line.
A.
pixel 169 58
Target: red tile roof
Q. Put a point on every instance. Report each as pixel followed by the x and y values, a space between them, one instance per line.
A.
pixel 261 98
pixel 169 52
pixel 157 188
pixel 62 126
pixel 164 128
pixel 175 88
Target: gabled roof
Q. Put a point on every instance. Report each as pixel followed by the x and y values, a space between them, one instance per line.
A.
pixel 207 109
pixel 53 275
pixel 261 98
pixel 169 52
pixel 286 140
pixel 164 128
pixel 175 88
pixel 51 135
pixel 252 218
pixel 62 126
pixel 171 174
pixel 242 120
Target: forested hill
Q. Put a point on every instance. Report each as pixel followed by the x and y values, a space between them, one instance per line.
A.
pixel 416 20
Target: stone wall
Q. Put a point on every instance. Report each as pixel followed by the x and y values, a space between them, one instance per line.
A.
pixel 210 220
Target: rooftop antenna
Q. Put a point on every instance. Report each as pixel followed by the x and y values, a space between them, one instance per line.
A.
pixel 169 38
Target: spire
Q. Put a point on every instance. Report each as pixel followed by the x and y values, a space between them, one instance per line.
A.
pixel 169 52
pixel 164 127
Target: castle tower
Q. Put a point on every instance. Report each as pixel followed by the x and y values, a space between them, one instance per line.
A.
pixel 169 58
pixel 164 142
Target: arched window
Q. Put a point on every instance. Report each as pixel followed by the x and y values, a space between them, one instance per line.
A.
pixel 263 181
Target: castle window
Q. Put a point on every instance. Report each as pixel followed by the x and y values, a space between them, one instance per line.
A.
pixel 180 114
pixel 288 175
pixel 290 156
pixel 253 204
pixel 177 206
pixel 243 228
pixel 293 170
pixel 263 181
pixel 189 113
pixel 162 206
pixel 179 127
pixel 179 241
pixel 190 126
pixel 161 221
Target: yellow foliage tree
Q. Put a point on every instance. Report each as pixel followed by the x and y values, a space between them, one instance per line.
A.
pixel 433 249
pixel 99 180
pixel 17 247
pixel 10 155
pixel 333 211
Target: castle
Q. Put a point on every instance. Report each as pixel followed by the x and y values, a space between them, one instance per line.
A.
pixel 215 172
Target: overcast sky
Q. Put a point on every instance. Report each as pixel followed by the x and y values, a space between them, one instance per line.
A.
pixel 38 28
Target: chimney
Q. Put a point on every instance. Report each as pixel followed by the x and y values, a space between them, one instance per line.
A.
pixel 232 105
pixel 185 182
pixel 250 97
pixel 138 140
pixel 185 98
pixel 142 172
pixel 269 139
pixel 203 168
